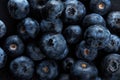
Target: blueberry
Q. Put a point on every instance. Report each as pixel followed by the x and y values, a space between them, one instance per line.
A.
pixel 28 28
pixel 47 70
pixel 93 19
pixel 84 70
pixel 113 45
pixel 3 58
pixel 67 63
pixel 54 8
pixel 100 6
pixel 64 77
pixel 74 11
pixel 22 67
pixel 97 36
pixel 84 51
pixel 18 9
pixel 3 29
pixel 14 45
pixel 114 21
pixel 54 46
pixel 34 52
pixel 73 34
pixel 54 26
pixel 111 65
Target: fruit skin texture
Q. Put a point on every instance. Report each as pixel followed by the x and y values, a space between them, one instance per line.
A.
pixel 47 70
pixel 113 45
pixel 51 25
pixel 84 51
pixel 64 77
pixel 34 52
pixel 54 46
pixel 97 36
pixel 100 6
pixel 14 46
pixel 28 28
pixel 73 34
pixel 74 11
pixel 3 29
pixel 111 66
pixel 22 67
pixel 3 58
pixel 93 19
pixel 53 8
pixel 18 9
pixel 113 21
pixel 84 70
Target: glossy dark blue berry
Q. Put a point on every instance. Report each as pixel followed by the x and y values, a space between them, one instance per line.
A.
pixel 93 19
pixel 73 34
pixel 67 63
pixel 74 11
pixel 3 58
pixel 47 70
pixel 84 70
pixel 14 45
pixel 111 66
pixel 113 21
pixel 54 26
pixel 54 46
pixel 113 45
pixel 54 8
pixel 18 9
pixel 3 29
pixel 34 52
pixel 97 36
pixel 100 6
pixel 84 51
pixel 22 67
pixel 28 28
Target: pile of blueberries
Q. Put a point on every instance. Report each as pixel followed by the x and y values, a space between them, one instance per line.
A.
pixel 62 40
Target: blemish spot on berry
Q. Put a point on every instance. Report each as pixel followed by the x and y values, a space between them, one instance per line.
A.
pixel 13 46
pixel 45 69
pixel 101 5
pixel 86 51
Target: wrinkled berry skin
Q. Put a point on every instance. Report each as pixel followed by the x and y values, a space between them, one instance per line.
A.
pixel 28 28
pixel 111 66
pixel 34 52
pixel 84 70
pixel 54 8
pixel 3 58
pixel 47 70
pixel 14 45
pixel 100 6
pixel 53 26
pixel 84 51
pixel 93 19
pixel 22 67
pixel 73 34
pixel 114 21
pixel 18 9
pixel 113 44
pixel 74 11
pixel 97 36
pixel 3 29
pixel 54 46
